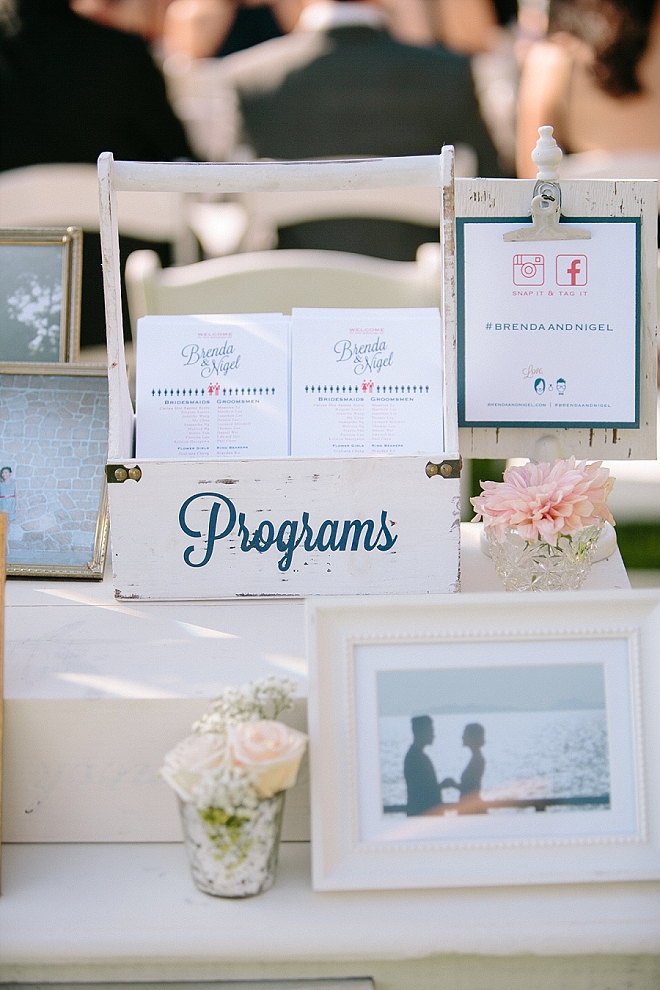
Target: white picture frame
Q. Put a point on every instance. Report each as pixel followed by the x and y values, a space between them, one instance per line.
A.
pixel 566 686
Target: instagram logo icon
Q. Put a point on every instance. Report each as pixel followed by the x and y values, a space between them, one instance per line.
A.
pixel 528 269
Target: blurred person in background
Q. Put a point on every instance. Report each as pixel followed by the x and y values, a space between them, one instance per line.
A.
pixel 488 31
pixel 340 86
pixel 143 17
pixel 596 80
pixel 214 28
pixel 471 26
pixel 70 89
pixel 208 28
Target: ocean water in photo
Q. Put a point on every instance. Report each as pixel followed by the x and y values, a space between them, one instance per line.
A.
pixel 528 754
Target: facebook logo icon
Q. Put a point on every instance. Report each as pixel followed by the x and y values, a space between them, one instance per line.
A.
pixel 571 269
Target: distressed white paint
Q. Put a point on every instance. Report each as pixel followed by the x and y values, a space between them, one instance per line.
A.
pixel 148 542
pixel 232 177
pixel 580 198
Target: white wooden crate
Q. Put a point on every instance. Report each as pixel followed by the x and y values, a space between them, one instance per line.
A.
pixel 372 525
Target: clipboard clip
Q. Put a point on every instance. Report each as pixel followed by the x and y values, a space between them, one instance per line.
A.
pixel 546 200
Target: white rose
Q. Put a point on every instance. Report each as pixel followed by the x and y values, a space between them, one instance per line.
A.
pixel 271 751
pixel 194 757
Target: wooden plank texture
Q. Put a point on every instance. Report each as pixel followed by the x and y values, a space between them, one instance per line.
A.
pixel 292 527
pixel 86 769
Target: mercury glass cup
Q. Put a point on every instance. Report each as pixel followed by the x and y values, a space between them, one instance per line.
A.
pixel 523 565
pixel 232 857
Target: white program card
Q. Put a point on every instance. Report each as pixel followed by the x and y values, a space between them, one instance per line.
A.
pixel 212 386
pixel 366 381
pixel 548 331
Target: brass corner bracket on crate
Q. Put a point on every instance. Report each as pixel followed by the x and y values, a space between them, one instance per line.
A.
pixel 446 469
pixel 117 474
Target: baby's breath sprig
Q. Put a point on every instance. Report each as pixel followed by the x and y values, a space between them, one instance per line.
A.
pixel 263 699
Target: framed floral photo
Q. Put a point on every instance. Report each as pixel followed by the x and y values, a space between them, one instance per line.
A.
pixel 40 287
pixel 484 739
pixel 53 445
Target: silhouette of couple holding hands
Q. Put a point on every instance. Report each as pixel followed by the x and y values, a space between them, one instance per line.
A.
pixel 424 791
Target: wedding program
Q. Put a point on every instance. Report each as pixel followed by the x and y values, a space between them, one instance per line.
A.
pixel 212 386
pixel 366 381
pixel 321 383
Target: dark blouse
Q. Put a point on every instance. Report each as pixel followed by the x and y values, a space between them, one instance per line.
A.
pixel 71 88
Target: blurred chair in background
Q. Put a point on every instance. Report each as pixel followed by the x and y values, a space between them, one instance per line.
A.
pixel 57 195
pixel 275 281
pixel 63 195
pixel 204 99
pixel 268 213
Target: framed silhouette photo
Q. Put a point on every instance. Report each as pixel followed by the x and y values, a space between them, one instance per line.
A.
pixel 40 289
pixel 474 740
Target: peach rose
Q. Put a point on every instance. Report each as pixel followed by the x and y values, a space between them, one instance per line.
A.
pixel 193 757
pixel 271 751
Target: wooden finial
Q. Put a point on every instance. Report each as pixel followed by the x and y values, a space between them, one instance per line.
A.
pixel 547 155
pixel 546 200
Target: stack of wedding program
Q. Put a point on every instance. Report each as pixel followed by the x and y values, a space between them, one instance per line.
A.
pixel 320 383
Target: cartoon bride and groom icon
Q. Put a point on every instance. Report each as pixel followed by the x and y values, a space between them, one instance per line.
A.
pixel 424 791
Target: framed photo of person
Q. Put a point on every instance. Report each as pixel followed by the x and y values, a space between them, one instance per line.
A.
pixel 473 740
pixel 53 445
pixel 40 286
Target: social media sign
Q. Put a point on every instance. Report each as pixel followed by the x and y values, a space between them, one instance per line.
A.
pixel 548 336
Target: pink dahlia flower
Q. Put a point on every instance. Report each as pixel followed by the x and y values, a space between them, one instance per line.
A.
pixel 543 501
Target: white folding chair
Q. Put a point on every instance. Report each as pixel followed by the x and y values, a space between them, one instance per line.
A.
pixel 266 212
pixel 68 195
pixel 276 281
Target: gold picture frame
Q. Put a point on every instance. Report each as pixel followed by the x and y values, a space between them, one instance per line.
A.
pixel 53 445
pixel 40 294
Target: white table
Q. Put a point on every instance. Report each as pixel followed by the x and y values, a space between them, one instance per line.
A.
pixel 125 912
pixel 69 639
pixel 95 884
